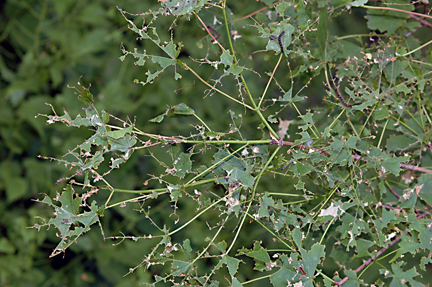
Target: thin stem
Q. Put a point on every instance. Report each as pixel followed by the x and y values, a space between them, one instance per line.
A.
pixel 367 120
pixel 416 49
pixel 268 83
pixel 397 10
pixel 251 14
pixel 208 31
pixel 213 88
pixel 325 231
pixel 358 35
pixel 257 279
pixel 252 196
pixel 382 134
pixel 214 165
pixel 210 242
pixel 202 212
pixel 202 122
pixel 271 232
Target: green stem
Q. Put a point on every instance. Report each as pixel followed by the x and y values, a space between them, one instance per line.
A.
pixel 256 108
pixel 211 242
pixel 271 232
pixel 416 49
pixel 382 133
pixel 214 165
pixel 202 212
pixel 367 120
pixel 202 122
pixel 185 66
pixel 268 83
pixel 252 196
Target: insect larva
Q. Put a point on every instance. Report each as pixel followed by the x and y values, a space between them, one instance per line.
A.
pixel 279 38
pixel 216 33
pixel 342 99
pixel 280 42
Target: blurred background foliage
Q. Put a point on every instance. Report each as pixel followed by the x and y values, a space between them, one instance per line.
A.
pixel 46 46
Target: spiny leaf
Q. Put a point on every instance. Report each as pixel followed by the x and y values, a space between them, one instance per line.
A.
pixel 68 220
pixel 312 258
pixel 400 277
pixel 231 263
pixel 260 255
pixel 85 96
pixel 183 7
pixel 287 273
pixel 393 164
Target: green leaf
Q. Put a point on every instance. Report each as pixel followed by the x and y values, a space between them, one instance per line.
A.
pixel 68 220
pixel 259 254
pixel 231 263
pixel 181 7
pixel 183 164
pixel 180 267
pixel 175 191
pixel 265 203
pixel 124 144
pixel 180 110
pixel 381 112
pixel 362 247
pixel 356 3
pixel 402 142
pixel 393 164
pixel 236 170
pixel 400 277
pixel 312 258
pixel 117 134
pixel 387 217
pixel 94 161
pixel 227 58
pixel 287 273
pixel 425 186
pixel 236 283
pixel 157 119
pixel 385 20
pixel 85 96
pixel 297 237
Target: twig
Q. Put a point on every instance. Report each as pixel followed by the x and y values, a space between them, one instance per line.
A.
pixel 251 14
pixel 424 22
pixel 394 193
pixel 415 168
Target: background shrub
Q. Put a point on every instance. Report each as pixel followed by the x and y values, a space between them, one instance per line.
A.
pixel 310 208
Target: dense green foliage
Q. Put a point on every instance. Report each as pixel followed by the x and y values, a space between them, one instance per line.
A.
pixel 289 146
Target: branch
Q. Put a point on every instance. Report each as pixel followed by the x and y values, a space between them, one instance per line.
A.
pixel 422 21
pixel 415 168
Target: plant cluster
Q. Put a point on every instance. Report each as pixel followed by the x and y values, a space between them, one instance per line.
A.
pixel 288 192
